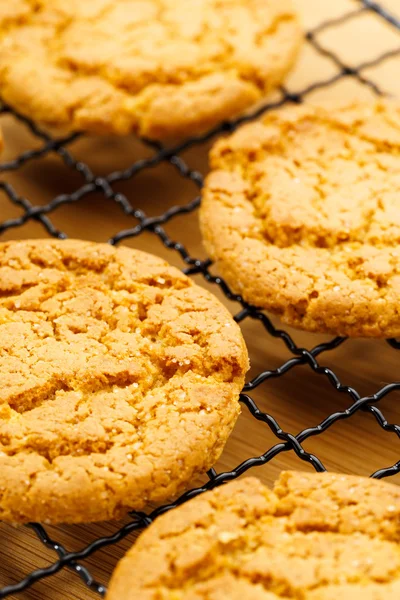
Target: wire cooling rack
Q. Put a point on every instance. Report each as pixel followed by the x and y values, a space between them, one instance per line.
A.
pixel 92 184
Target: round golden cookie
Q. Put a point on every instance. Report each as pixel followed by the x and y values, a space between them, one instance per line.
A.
pixel 161 68
pixel 301 214
pixel 120 380
pixel 314 537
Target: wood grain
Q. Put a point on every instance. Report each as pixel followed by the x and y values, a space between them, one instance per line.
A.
pixel 300 398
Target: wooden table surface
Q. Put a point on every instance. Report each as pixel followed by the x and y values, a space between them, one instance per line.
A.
pixel 300 398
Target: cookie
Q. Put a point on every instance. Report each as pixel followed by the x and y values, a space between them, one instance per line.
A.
pixel 301 215
pixel 159 68
pixel 120 380
pixel 314 537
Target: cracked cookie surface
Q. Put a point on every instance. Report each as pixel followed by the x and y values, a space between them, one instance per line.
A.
pixel 120 380
pixel 161 68
pixel 313 537
pixel 301 215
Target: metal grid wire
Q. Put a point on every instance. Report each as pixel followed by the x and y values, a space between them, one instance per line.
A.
pixel 300 356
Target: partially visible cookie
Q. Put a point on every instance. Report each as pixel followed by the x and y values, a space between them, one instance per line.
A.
pixel 301 214
pixel 313 537
pixel 161 68
pixel 119 377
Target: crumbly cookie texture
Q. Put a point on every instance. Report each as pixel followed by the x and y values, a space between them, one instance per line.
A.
pixel 301 215
pixel 161 68
pixel 314 537
pixel 119 380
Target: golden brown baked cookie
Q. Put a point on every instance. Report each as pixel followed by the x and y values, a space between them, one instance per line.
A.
pixel 161 68
pixel 301 215
pixel 119 380
pixel 314 537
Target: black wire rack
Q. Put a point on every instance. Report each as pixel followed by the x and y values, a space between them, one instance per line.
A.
pixel 93 184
